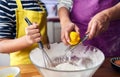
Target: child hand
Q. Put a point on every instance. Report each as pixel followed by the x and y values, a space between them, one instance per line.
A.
pixel 33 34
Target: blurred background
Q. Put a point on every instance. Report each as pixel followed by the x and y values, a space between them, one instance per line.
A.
pixel 51 6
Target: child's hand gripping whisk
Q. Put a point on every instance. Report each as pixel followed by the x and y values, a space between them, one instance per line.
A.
pixel 46 58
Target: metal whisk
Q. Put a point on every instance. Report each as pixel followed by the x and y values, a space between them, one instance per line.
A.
pixel 46 58
pixel 47 61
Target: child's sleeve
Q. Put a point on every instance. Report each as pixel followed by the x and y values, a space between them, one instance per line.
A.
pixel 6 21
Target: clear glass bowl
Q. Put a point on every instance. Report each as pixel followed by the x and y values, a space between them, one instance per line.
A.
pixel 83 60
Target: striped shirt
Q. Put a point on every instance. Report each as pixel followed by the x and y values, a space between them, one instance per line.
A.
pixel 8 18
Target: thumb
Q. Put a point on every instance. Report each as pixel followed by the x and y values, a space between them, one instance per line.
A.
pixel 77 29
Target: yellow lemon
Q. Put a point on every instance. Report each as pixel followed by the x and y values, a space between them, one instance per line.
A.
pixel 74 38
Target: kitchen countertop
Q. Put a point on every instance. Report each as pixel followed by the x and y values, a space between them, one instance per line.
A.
pixel 104 71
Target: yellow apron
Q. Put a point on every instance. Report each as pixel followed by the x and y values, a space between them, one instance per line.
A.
pixel 22 56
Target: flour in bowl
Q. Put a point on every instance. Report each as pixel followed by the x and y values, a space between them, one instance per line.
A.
pixel 68 67
pixel 81 64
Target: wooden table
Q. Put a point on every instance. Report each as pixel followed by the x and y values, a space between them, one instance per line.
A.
pixel 104 71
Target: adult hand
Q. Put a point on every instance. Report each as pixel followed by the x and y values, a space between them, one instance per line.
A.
pixel 33 34
pixel 98 24
pixel 65 31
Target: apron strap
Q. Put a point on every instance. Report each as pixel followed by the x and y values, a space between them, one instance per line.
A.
pixel 40 5
pixel 19 5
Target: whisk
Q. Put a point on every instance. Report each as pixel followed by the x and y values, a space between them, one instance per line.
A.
pixel 47 61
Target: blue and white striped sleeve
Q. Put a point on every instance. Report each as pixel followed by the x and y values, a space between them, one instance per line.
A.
pixel 6 20
pixel 65 3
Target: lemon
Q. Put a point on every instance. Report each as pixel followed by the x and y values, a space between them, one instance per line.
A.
pixel 74 38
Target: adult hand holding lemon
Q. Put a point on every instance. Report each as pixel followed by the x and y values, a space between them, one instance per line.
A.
pixel 74 38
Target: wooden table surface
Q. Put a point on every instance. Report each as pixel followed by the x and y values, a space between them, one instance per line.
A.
pixel 104 71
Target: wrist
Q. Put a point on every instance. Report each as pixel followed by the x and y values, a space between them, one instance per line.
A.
pixel 65 22
pixel 26 41
pixel 107 15
pixel 113 12
pixel 64 16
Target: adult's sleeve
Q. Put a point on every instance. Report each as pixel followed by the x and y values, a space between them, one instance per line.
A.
pixel 65 3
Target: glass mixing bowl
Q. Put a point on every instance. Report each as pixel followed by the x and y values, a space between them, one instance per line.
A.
pixel 83 61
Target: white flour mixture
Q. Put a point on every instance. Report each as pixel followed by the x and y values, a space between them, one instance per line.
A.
pixel 68 66
pixel 79 64
pixel 83 62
